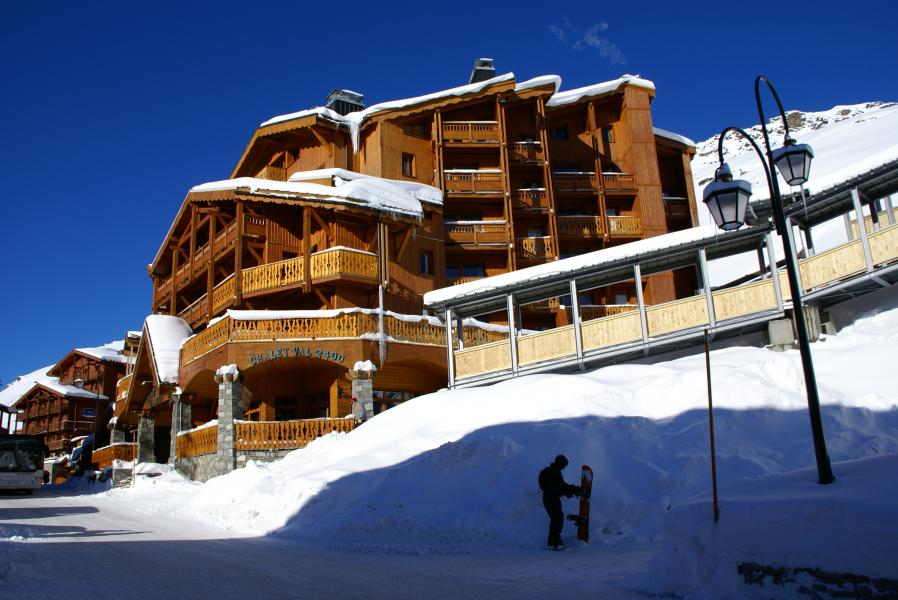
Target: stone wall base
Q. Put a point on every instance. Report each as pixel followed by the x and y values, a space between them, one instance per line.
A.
pixel 206 466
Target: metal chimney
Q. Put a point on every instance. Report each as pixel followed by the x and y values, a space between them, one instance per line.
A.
pixel 484 68
pixel 345 101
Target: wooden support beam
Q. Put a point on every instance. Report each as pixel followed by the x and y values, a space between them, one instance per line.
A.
pixel 547 167
pixel 238 257
pixel 324 299
pixel 192 236
pixel 324 226
pixel 210 272
pixel 600 181
pixel 404 243
pixel 306 249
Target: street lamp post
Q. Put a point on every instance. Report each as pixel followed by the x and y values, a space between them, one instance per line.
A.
pixel 727 200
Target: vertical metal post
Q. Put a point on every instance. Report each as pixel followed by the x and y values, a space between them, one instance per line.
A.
pixel 575 320
pixel 890 211
pixel 450 354
pixel 762 268
pixel 512 334
pixel 848 232
pixel 640 303
pixel 706 284
pixel 809 241
pixel 711 429
pixel 771 258
pixel 862 229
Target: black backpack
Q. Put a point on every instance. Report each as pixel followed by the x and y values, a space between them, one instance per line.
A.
pixel 544 478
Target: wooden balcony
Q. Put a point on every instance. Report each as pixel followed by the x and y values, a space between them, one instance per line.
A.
pixel 344 263
pixel 598 311
pixel 196 313
pixel 476 233
pixel 581 226
pixel 624 227
pixel 526 152
pixel 535 248
pixel 280 275
pixel 347 325
pixel 103 457
pixel 530 199
pixel 225 241
pixel 286 435
pixel 575 181
pixel 460 280
pixel 273 173
pixel 463 181
pixel 619 183
pixel 471 132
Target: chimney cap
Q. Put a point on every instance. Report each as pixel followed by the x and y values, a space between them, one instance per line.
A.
pixel 484 68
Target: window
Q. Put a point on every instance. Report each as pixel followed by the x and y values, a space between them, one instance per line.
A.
pixel 621 299
pixel 474 270
pixel 559 133
pixel 535 232
pixel 408 165
pixel 425 261
pixel 606 135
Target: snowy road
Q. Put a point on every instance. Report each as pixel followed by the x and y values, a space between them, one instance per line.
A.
pixel 94 546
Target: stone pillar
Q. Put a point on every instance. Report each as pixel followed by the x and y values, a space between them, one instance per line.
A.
pixel 181 420
pixel 362 377
pixel 146 439
pixel 118 436
pixel 230 408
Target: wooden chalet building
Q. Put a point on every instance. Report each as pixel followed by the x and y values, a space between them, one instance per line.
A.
pixel 56 407
pixel 316 252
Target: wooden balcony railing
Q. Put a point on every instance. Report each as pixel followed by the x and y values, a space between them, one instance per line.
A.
pixel 460 280
pixel 280 274
pixel 224 293
pixel 197 441
pixel 526 152
pixel 535 248
pixel 285 435
pixel 529 199
pixel 273 173
pixel 575 181
pixel 471 131
pixel 581 226
pixel 104 456
pixel 461 181
pixel 590 312
pixel 624 226
pixel 619 183
pixel 479 232
pixel 340 263
pixel 348 325
pixel 196 313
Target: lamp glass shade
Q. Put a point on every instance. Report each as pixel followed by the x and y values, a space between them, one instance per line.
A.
pixel 727 202
pixel 794 162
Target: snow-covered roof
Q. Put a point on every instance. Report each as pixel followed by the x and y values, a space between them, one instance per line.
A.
pixel 165 334
pixel 355 120
pixel 374 193
pixel 111 352
pixel 10 394
pixel 597 89
pixel 673 136
pixel 575 263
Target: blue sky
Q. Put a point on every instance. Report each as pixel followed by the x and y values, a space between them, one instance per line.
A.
pixel 112 111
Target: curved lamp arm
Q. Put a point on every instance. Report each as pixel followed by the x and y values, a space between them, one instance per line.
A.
pixel 753 145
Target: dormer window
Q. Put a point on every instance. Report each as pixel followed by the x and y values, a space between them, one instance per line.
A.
pixel 408 165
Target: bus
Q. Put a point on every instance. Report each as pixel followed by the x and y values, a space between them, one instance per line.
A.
pixel 21 462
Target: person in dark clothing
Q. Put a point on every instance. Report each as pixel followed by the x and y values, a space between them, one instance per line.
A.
pixel 551 482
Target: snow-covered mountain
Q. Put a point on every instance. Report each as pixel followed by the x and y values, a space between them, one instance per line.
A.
pixel 847 140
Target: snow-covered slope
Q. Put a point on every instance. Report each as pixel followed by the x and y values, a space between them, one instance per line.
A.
pixel 455 471
pixel 847 141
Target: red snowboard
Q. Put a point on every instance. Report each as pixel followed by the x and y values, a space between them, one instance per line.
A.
pixel 582 519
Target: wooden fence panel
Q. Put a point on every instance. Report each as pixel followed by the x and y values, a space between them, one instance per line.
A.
pixel 832 265
pixel 677 315
pixel 546 345
pixel 197 442
pixel 884 245
pixel 744 300
pixel 610 331
pixel 285 435
pixel 486 358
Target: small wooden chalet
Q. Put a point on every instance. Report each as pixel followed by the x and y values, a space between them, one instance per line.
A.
pixel 73 398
